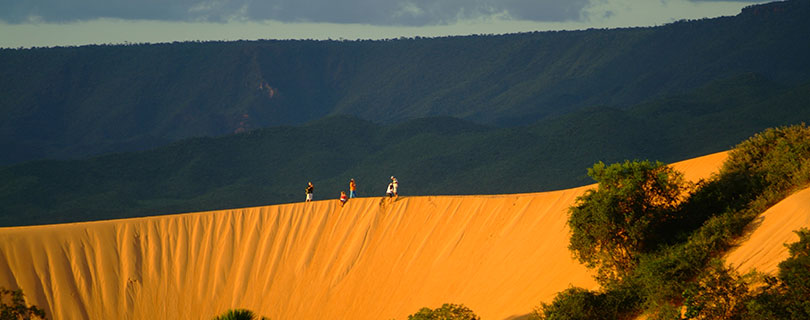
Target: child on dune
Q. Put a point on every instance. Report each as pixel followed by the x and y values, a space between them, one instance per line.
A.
pixel 343 198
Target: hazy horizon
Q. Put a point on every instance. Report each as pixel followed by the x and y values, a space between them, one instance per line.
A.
pixel 86 22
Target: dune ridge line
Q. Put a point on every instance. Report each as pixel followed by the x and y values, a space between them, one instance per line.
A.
pixel 501 255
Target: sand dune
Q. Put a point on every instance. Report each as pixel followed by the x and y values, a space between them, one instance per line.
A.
pixel 763 249
pixel 500 255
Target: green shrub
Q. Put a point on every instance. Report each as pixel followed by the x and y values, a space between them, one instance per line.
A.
pixel 759 172
pixel 14 308
pixel 787 297
pixel 579 303
pixel 665 274
pixel 666 311
pixel 718 293
pixel 447 311
pixel 773 164
pixel 238 314
pixel 573 303
pixel 612 225
pixel 795 275
pixel 756 176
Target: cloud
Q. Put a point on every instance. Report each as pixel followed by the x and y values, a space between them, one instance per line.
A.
pixel 194 21
pixel 372 12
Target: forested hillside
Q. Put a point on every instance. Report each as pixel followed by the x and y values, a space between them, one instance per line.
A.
pixel 78 101
pixel 439 155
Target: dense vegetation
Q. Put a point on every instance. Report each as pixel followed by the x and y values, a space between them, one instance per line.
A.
pixel 429 156
pixel 784 297
pixel 447 311
pixel 684 268
pixel 74 102
pixel 612 226
pixel 13 306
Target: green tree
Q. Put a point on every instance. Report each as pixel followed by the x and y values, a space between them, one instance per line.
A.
pixel 14 308
pixel 612 225
pixel 447 311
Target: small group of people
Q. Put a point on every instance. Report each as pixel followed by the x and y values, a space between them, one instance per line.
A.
pixel 390 192
pixel 352 193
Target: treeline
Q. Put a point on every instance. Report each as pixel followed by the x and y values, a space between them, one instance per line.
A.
pixel 78 101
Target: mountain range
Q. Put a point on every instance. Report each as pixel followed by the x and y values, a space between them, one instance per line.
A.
pixel 74 102
pixel 101 132
pixel 437 155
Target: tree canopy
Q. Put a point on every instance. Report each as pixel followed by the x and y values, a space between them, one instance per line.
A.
pixel 613 224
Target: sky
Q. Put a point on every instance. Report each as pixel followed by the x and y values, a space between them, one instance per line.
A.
pixel 45 23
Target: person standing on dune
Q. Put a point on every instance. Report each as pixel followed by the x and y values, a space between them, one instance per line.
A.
pixel 352 188
pixel 310 191
pixel 395 186
pixel 390 191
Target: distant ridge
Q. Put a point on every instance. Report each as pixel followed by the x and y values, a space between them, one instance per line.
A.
pixel 78 101
pixel 431 156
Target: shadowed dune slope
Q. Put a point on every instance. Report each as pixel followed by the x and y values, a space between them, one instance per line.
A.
pixel 763 248
pixel 375 258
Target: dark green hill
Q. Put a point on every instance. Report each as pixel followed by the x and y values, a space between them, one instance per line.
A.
pixel 73 102
pixel 438 155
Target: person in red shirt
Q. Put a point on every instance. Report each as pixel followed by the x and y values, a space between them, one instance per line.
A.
pixel 343 198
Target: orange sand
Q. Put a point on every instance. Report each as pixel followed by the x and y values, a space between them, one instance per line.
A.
pixel 500 255
pixel 763 249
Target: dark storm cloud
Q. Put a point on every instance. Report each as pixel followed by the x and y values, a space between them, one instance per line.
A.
pixel 377 12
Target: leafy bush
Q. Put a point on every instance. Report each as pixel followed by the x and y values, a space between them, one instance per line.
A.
pixel 15 308
pixel 787 297
pixel 774 159
pixel 238 314
pixel 795 275
pixel 758 173
pixel 573 303
pixel 718 293
pixel 613 225
pixel 447 311
pixel 579 303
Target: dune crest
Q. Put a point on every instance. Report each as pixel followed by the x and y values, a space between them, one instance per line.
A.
pixel 371 259
pixel 376 258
